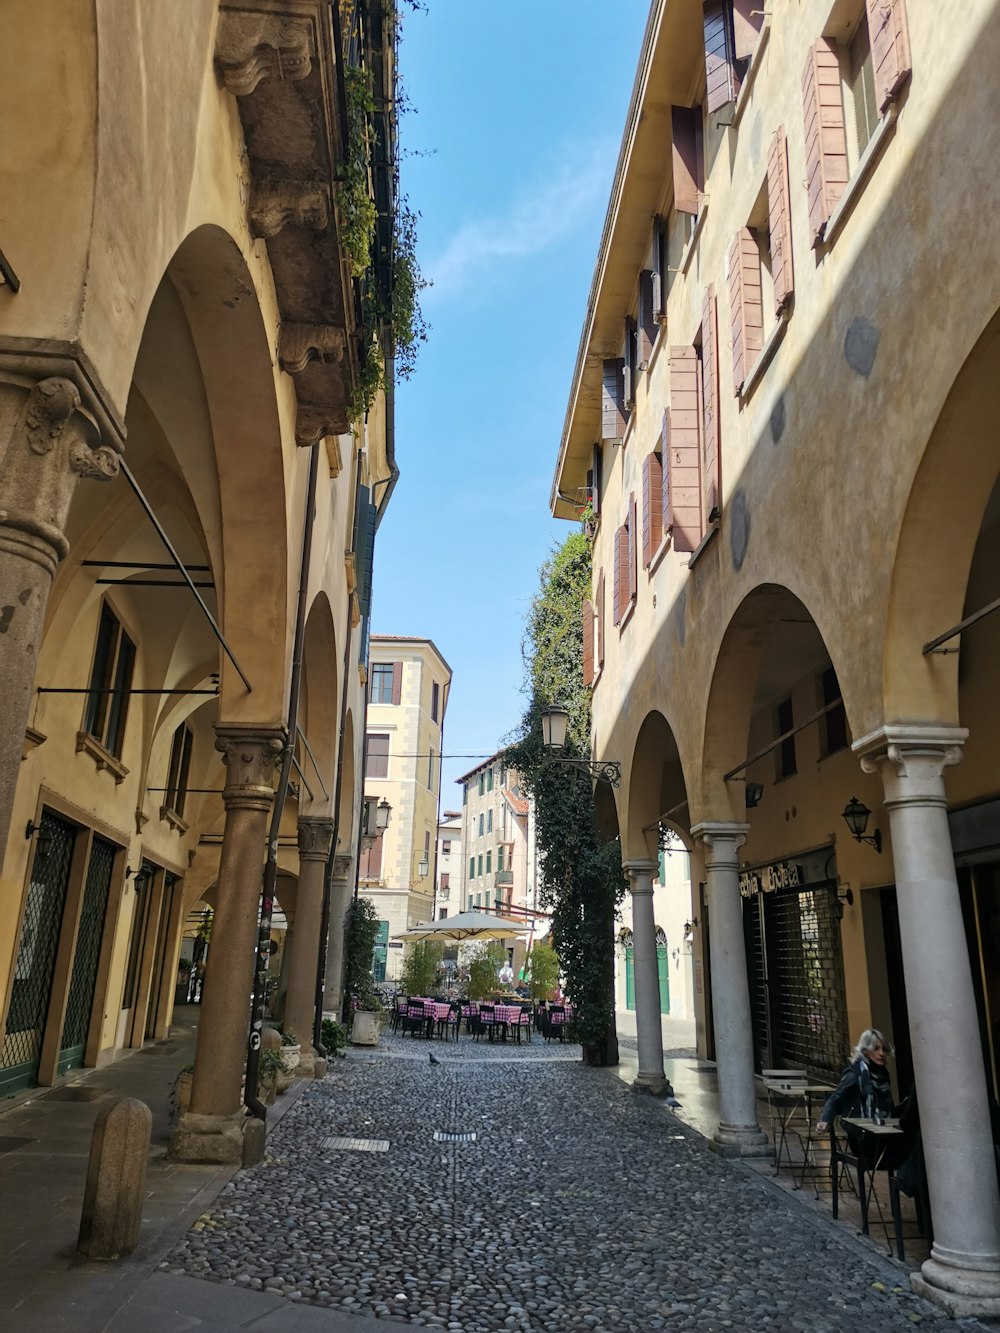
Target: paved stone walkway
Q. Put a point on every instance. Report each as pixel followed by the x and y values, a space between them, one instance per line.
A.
pixel 580 1206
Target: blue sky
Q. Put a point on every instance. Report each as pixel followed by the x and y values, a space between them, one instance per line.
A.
pixel 519 107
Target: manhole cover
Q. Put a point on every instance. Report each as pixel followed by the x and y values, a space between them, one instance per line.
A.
pixel 354 1145
pixel 74 1094
pixel 449 1136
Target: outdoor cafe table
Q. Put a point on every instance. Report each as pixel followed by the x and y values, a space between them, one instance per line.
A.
pixel 876 1139
pixel 787 1099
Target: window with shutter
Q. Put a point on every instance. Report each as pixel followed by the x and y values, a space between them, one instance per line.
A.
pixel 659 274
pixel 594 479
pixel 721 78
pixel 712 459
pixel 825 138
pixel 616 581
pixel 684 452
pixel 647 323
pixel 665 474
pixel 890 47
pixel 652 501
pixel 110 684
pixel 600 621
pixel 370 866
pixel 744 268
pixel 588 643
pixel 397 682
pixel 633 551
pixel 687 154
pixel 779 222
pixel 613 400
pixel 629 363
pixel 377 755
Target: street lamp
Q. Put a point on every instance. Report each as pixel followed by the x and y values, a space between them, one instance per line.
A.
pixel 422 867
pixel 375 819
pixel 555 722
pixel 856 814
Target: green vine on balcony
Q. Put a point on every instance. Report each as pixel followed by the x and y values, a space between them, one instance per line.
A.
pixel 354 196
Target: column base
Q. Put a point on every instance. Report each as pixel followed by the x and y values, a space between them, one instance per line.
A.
pixel 306 1068
pixel 319 1067
pixel 741 1141
pixel 965 1292
pixel 653 1085
pixel 218 1139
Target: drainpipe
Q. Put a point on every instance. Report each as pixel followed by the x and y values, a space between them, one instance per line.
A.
pixel 254 1105
pixel 324 928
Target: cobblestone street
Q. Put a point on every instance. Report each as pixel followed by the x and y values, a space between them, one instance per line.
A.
pixel 578 1206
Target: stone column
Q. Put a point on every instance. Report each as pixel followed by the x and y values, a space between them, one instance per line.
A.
pixel 650 1077
pixel 315 838
pixel 212 1131
pixel 963 1271
pixel 47 442
pixel 340 898
pixel 738 1132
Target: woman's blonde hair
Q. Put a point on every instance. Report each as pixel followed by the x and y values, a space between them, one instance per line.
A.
pixel 868 1040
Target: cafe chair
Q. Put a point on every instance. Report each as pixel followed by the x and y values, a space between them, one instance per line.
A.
pixel 844 1158
pixel 398 1020
pixel 416 1018
pixel 452 1020
pixel 524 1023
pixel 557 1022
pixel 486 1022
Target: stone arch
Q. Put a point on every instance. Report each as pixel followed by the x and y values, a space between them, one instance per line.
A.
pixel 318 713
pixel 656 789
pixel 940 527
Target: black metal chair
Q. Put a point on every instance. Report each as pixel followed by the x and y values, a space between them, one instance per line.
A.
pixel 556 1022
pixel 486 1022
pixel 452 1020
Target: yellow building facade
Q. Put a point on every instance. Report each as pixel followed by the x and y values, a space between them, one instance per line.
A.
pixel 188 497
pixel 780 435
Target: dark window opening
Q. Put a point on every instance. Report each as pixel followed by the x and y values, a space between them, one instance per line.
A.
pixel 786 751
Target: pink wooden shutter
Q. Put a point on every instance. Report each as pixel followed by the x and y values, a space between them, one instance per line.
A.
pixel 612 400
pixel 825 141
pixel 686 149
pixel 600 620
pixel 685 448
pixel 665 473
pixel 588 643
pixel 890 44
pixel 616 580
pixel 633 550
pixel 720 80
pixel 652 512
pixel 779 220
pixel 745 305
pixel 712 467
pixel 397 682
pixel 748 18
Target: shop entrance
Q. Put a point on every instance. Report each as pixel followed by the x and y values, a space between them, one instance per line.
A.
pixel 89 937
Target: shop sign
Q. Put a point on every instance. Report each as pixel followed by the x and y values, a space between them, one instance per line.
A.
pixel 768 879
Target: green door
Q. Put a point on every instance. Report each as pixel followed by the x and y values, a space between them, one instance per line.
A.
pixel 88 953
pixel 629 977
pixel 661 972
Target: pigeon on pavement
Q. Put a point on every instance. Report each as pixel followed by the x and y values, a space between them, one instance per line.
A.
pixel 433 1059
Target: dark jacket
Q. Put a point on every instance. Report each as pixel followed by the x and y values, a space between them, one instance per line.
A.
pixel 863 1089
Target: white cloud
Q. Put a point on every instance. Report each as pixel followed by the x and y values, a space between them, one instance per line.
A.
pixel 543 213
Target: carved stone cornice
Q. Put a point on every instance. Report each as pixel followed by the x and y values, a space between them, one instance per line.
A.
pixel 25 361
pixel 252 44
pixel 315 839
pixel 299 344
pixel 251 754
pixel 275 205
pixel 313 424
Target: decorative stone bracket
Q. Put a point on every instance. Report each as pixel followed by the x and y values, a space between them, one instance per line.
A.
pixel 253 44
pixel 299 344
pixel 278 204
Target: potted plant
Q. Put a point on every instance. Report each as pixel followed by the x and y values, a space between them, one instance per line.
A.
pixel 291 1049
pixel 334 1036
pixel 365 1008
pixel 269 1070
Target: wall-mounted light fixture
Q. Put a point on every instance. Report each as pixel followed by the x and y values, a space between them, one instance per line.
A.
pixel 44 840
pixel 422 867
pixel 375 817
pixel 755 790
pixel 689 929
pixel 856 815
pixel 555 722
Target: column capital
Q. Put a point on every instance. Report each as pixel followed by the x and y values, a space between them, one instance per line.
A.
pixel 315 838
pixel 341 866
pixel 250 752
pixel 640 871
pixel 911 758
pixel 716 834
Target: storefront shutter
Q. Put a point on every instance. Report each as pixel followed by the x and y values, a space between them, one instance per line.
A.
pixel 652 513
pixel 745 306
pixel 588 643
pixel 890 45
pixel 825 139
pixel 684 454
pixel 779 221
pixel 712 466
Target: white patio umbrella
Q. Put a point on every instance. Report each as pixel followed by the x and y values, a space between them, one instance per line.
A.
pixel 466 926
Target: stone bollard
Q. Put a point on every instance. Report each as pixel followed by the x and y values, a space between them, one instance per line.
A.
pixel 112 1202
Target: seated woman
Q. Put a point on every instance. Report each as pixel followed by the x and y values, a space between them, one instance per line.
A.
pixel 865 1091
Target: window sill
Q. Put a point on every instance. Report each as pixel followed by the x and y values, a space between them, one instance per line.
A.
pixel 104 759
pixel 629 613
pixel 689 249
pixel 660 339
pixel 743 97
pixel 699 550
pixel 658 554
pixel 172 818
pixel 771 344
pixel 873 150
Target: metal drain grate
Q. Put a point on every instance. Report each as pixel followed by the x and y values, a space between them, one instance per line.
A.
pixel 354 1145
pixel 449 1136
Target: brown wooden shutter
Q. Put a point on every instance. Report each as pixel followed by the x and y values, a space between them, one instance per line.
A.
pixel 600 620
pixel 665 473
pixel 616 580
pixel 371 860
pixel 712 466
pixel 685 448
pixel 720 76
pixel 825 139
pixel 628 361
pixel 890 45
pixel 633 550
pixel 647 323
pixel 748 18
pixel 652 512
pixel 779 221
pixel 659 284
pixel 595 479
pixel 588 643
pixel 612 399
pixel 397 682
pixel 745 305
pixel 686 151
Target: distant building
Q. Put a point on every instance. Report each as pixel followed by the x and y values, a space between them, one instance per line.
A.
pixel 450 864
pixel 408 685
